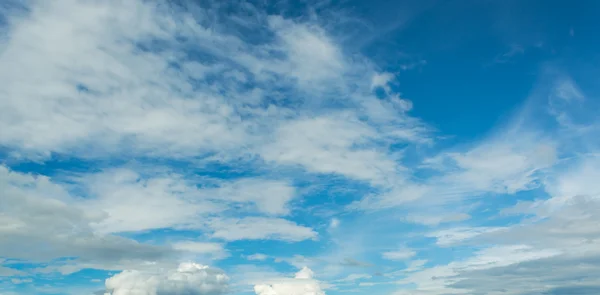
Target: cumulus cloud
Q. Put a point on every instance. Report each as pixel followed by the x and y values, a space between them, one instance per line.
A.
pixel 188 279
pixel 302 284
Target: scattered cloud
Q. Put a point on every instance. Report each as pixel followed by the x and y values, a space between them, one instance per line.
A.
pixel 354 277
pixel 258 228
pixel 401 254
pixel 334 223
pixel 257 256
pixel 456 235
pixel 17 281
pixel 435 220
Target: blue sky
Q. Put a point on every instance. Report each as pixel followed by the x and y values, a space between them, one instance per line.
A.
pixel 299 148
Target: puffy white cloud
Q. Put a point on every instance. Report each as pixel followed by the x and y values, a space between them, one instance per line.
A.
pixel 187 279
pixel 302 284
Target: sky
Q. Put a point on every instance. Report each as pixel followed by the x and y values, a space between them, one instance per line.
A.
pixel 417 147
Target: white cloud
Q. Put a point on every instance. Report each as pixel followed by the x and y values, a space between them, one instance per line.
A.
pixel 312 55
pixel 415 265
pixel 169 200
pixel 36 211
pixel 20 281
pixel 448 237
pixel 334 223
pixel 259 228
pixel 441 279
pixel 115 79
pixel 553 251
pixel 166 200
pixel 400 193
pixel 269 196
pixel 577 180
pixel 245 276
pixel 434 220
pixel 188 278
pixel 331 144
pixel 567 89
pixel 400 254
pixel 502 165
pixel 302 284
pixel 553 248
pixel 382 80
pixel 257 256
pixel 7 271
pixel 498 165
pixel 354 277
pixel 111 95
pixel 119 95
